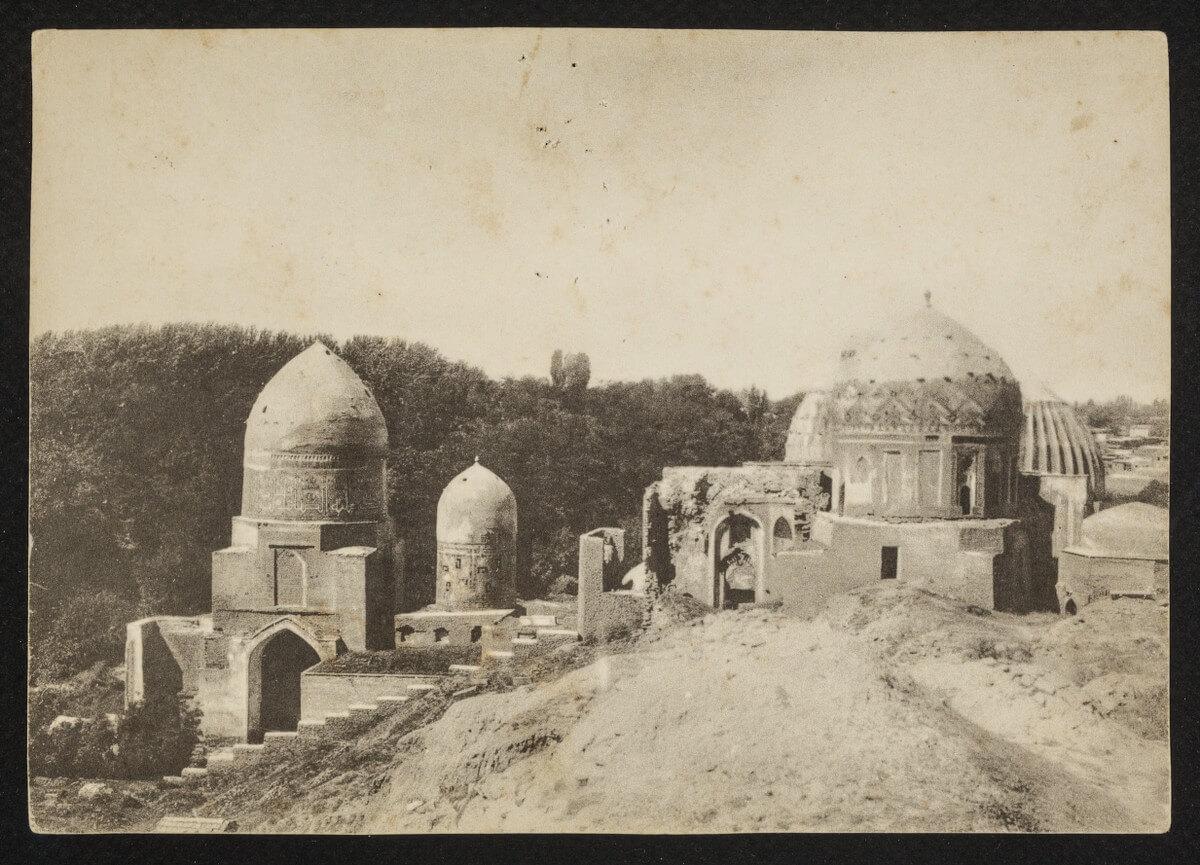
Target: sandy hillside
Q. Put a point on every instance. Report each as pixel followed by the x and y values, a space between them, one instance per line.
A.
pixel 893 710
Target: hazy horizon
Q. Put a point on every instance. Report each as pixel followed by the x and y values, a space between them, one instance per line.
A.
pixel 732 204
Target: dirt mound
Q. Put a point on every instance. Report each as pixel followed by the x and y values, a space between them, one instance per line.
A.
pixel 671 608
pixel 892 710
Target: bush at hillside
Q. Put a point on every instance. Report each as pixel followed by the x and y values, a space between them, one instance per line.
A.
pixel 148 740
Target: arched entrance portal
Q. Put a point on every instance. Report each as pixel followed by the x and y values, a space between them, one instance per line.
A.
pixel 273 682
pixel 737 560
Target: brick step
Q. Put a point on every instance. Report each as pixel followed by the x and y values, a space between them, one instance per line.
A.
pixel 275 739
pixel 559 635
pixel 310 727
pixel 180 824
pixel 193 775
pixel 465 668
pixel 244 752
pixel 220 761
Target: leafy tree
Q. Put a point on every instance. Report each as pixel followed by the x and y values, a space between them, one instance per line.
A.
pixel 136 449
pixel 88 628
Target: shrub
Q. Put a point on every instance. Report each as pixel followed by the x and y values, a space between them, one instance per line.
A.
pixel 986 647
pixel 148 740
pixel 156 737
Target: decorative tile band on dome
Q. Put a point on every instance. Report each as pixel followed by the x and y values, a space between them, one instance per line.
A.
pixel 1055 442
pixel 978 407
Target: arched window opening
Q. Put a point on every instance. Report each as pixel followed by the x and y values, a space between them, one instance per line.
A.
pixel 783 534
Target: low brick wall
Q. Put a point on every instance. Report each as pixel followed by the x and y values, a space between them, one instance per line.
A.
pixel 1086 578
pixel 323 693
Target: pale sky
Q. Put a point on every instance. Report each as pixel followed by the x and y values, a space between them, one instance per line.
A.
pixel 729 203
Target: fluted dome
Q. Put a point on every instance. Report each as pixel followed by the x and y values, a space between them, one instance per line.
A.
pixel 476 506
pixel 925 372
pixel 316 404
pixel 810 437
pixel 1054 441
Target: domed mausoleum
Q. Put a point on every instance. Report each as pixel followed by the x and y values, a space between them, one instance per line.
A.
pixel 913 463
pixel 311 570
pixel 474 581
pixel 476 537
pixel 926 420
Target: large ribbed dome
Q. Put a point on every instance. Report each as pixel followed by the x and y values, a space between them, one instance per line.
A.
pixel 926 373
pixel 1054 441
pixel 316 404
pixel 924 345
pixel 476 504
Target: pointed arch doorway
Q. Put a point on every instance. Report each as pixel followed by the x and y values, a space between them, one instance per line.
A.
pixel 273 681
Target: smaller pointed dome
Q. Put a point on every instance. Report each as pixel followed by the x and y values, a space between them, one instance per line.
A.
pixel 809 438
pixel 476 506
pixel 316 404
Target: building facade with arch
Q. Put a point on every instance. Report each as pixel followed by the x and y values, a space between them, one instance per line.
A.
pixel 312 567
pixel 919 462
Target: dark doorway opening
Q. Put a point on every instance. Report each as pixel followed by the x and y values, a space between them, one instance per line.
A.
pixel 282 658
pixel 889 562
pixel 476 633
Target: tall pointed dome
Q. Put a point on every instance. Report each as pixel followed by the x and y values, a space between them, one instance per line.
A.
pixel 476 541
pixel 315 444
pixel 477 501
pixel 316 404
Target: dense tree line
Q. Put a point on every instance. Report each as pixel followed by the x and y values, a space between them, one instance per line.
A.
pixel 136 447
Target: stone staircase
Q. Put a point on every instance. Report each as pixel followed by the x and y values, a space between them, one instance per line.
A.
pixel 335 725
pixel 532 635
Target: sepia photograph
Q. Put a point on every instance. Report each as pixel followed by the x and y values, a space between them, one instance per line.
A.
pixel 516 430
